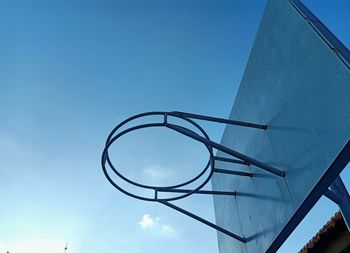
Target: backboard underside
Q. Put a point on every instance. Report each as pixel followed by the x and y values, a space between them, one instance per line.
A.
pixel 297 85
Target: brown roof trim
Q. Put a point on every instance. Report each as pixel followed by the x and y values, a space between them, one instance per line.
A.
pixel 322 236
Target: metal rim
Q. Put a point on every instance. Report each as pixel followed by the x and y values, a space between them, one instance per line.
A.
pixel 112 137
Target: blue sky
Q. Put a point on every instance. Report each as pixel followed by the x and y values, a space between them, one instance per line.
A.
pixel 71 70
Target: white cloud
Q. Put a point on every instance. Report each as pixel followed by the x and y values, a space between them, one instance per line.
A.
pixel 167 229
pixel 155 225
pixel 153 172
pixel 156 174
pixel 146 222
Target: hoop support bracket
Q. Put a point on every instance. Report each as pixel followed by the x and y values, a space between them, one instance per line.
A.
pixel 200 219
pixel 166 194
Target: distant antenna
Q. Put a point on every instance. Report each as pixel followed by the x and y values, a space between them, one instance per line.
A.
pixel 65 248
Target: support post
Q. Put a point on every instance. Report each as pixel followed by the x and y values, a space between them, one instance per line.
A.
pixel 342 198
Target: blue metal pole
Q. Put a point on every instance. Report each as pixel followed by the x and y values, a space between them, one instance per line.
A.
pixel 218 120
pixel 233 172
pixel 340 190
pixel 229 160
pixel 198 192
pixel 200 219
pixel 321 187
pixel 227 150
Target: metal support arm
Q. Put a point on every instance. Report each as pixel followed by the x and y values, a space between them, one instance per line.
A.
pixel 210 224
pixel 339 194
pixel 233 172
pixel 227 150
pixel 177 191
pixel 218 120
pixel 233 193
pixel 229 160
